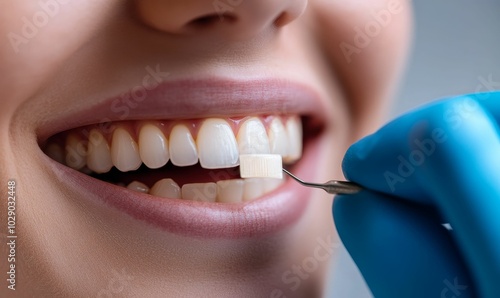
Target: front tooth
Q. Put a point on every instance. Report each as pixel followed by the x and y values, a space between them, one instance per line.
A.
pixel 99 156
pixel 252 138
pixel 253 189
pixel 124 152
pixel 278 138
pixel 217 147
pixel 294 132
pixel 138 186
pixel 76 152
pixel 205 192
pixel 153 147
pixel 230 191
pixel 270 184
pixel 166 188
pixel 182 147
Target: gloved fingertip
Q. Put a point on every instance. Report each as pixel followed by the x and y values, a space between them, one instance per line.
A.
pixel 357 153
pixel 362 148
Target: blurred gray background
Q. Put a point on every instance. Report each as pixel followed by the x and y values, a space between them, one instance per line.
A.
pixel 456 46
pixel 456 50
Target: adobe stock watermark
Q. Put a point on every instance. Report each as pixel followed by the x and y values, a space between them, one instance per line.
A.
pixel 131 100
pixel 487 84
pixel 363 36
pixel 222 7
pixel 454 289
pixel 455 116
pixel 48 9
pixel 116 284
pixel 416 158
pixel 121 106
pixel 321 253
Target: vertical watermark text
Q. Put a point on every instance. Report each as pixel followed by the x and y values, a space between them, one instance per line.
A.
pixel 11 234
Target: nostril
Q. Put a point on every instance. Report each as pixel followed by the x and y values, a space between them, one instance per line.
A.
pixel 232 18
pixel 210 20
pixel 283 19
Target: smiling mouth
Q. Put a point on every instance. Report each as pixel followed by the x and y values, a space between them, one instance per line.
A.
pixel 172 160
pixel 190 159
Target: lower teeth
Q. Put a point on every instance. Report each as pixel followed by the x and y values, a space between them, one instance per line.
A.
pixel 224 191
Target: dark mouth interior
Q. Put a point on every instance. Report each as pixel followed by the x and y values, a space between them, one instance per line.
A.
pixel 181 175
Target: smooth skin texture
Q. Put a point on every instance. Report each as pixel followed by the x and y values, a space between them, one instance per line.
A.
pixel 88 51
pixel 444 168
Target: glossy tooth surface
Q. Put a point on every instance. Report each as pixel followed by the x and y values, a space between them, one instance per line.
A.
pixel 153 147
pixel 252 189
pixel 230 191
pixel 204 192
pixel 76 152
pixel 183 150
pixel 278 138
pixel 124 151
pixel 217 147
pixel 166 188
pixel 99 155
pixel 294 132
pixel 270 184
pixel 138 186
pixel 252 137
pixel 55 152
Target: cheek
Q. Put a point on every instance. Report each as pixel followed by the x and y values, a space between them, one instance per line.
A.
pixel 367 42
pixel 40 35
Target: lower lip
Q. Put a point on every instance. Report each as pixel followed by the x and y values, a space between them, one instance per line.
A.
pixel 266 215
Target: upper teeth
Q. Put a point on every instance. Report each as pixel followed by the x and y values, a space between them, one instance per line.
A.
pixel 182 147
pixel 218 144
pixel 217 147
pixel 153 146
pixel 124 151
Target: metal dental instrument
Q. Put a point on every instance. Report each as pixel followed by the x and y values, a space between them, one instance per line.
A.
pixel 332 186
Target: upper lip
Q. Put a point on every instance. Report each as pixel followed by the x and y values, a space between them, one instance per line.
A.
pixel 190 99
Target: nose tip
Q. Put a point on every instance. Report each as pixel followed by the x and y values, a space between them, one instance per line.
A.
pixel 231 18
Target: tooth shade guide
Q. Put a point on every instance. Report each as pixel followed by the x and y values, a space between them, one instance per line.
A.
pixel 261 166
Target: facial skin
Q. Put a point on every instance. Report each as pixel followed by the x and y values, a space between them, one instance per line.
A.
pixel 91 50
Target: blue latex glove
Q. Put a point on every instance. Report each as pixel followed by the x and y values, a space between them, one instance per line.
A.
pixel 438 164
